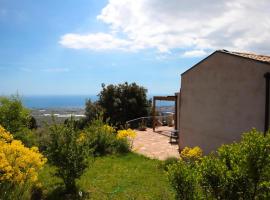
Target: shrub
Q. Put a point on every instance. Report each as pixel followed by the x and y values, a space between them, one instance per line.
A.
pixel 184 179
pixel 191 154
pixel 121 145
pixel 19 166
pixel 102 138
pixel 127 135
pixel 237 171
pixel 213 175
pixel 27 137
pixel 169 161
pixel 68 150
pixel 247 166
pixel 16 119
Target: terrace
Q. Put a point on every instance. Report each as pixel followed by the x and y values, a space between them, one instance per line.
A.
pixel 155 145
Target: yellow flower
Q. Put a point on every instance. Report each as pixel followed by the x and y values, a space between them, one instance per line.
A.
pixel 191 153
pixel 126 134
pixel 18 164
pixel 108 129
pixel 5 135
pixel 81 138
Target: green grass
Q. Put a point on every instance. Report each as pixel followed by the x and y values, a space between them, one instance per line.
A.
pixel 128 176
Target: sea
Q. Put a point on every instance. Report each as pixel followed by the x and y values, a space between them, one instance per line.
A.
pixel 67 101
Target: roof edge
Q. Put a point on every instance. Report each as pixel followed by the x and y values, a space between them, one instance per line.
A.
pixel 199 62
pixel 232 53
pixel 227 53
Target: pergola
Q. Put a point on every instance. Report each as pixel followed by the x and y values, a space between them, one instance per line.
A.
pixel 165 98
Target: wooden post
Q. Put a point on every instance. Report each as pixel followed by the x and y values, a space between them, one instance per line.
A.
pixel 154 113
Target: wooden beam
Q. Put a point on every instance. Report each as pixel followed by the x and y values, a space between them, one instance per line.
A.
pixel 165 98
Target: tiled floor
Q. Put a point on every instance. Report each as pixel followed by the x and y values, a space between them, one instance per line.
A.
pixel 155 145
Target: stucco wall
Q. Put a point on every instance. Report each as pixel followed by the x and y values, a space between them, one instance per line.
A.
pixel 221 98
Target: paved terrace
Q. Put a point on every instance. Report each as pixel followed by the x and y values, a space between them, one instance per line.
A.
pixel 155 145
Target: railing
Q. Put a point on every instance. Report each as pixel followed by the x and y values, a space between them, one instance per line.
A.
pixel 144 122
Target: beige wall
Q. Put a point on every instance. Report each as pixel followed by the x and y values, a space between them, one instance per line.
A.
pixel 221 98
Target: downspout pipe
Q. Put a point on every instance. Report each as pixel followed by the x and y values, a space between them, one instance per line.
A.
pixel 266 116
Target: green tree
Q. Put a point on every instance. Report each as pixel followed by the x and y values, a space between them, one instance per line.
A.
pixel 124 102
pixel 68 150
pixel 15 118
pixel 33 123
pixel 92 110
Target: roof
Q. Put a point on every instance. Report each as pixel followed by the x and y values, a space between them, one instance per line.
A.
pixel 251 56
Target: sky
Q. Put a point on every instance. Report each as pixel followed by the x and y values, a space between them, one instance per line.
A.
pixel 71 47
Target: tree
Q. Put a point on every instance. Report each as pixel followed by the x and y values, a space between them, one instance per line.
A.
pixel 33 123
pixel 124 102
pixel 92 110
pixel 68 150
pixel 15 118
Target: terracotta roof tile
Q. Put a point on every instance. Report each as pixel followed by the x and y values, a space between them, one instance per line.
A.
pixel 261 58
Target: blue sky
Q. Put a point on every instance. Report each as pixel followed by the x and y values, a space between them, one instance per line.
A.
pixel 71 47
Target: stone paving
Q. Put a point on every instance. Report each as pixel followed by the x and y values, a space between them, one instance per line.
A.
pixel 155 145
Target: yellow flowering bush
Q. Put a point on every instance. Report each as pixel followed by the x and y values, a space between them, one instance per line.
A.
pixel 5 135
pixel 18 164
pixel 81 138
pixel 191 153
pixel 108 129
pixel 129 133
pixel 103 139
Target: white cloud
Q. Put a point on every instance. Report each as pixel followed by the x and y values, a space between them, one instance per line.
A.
pixel 194 53
pixel 97 41
pixel 180 24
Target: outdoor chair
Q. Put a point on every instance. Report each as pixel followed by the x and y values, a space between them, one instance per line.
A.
pixel 174 136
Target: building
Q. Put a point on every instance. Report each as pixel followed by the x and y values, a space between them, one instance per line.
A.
pixel 221 97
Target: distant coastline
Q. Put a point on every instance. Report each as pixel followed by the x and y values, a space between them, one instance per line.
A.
pixel 65 106
pixel 66 101
pixel 56 101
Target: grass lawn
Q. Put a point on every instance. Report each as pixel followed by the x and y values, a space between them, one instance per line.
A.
pixel 128 176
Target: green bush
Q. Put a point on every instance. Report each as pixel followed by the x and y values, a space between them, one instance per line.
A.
pixel 68 150
pixel 15 191
pixel 184 179
pixel 169 161
pixel 16 119
pixel 13 116
pixel 237 171
pixel 120 146
pixel 102 139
